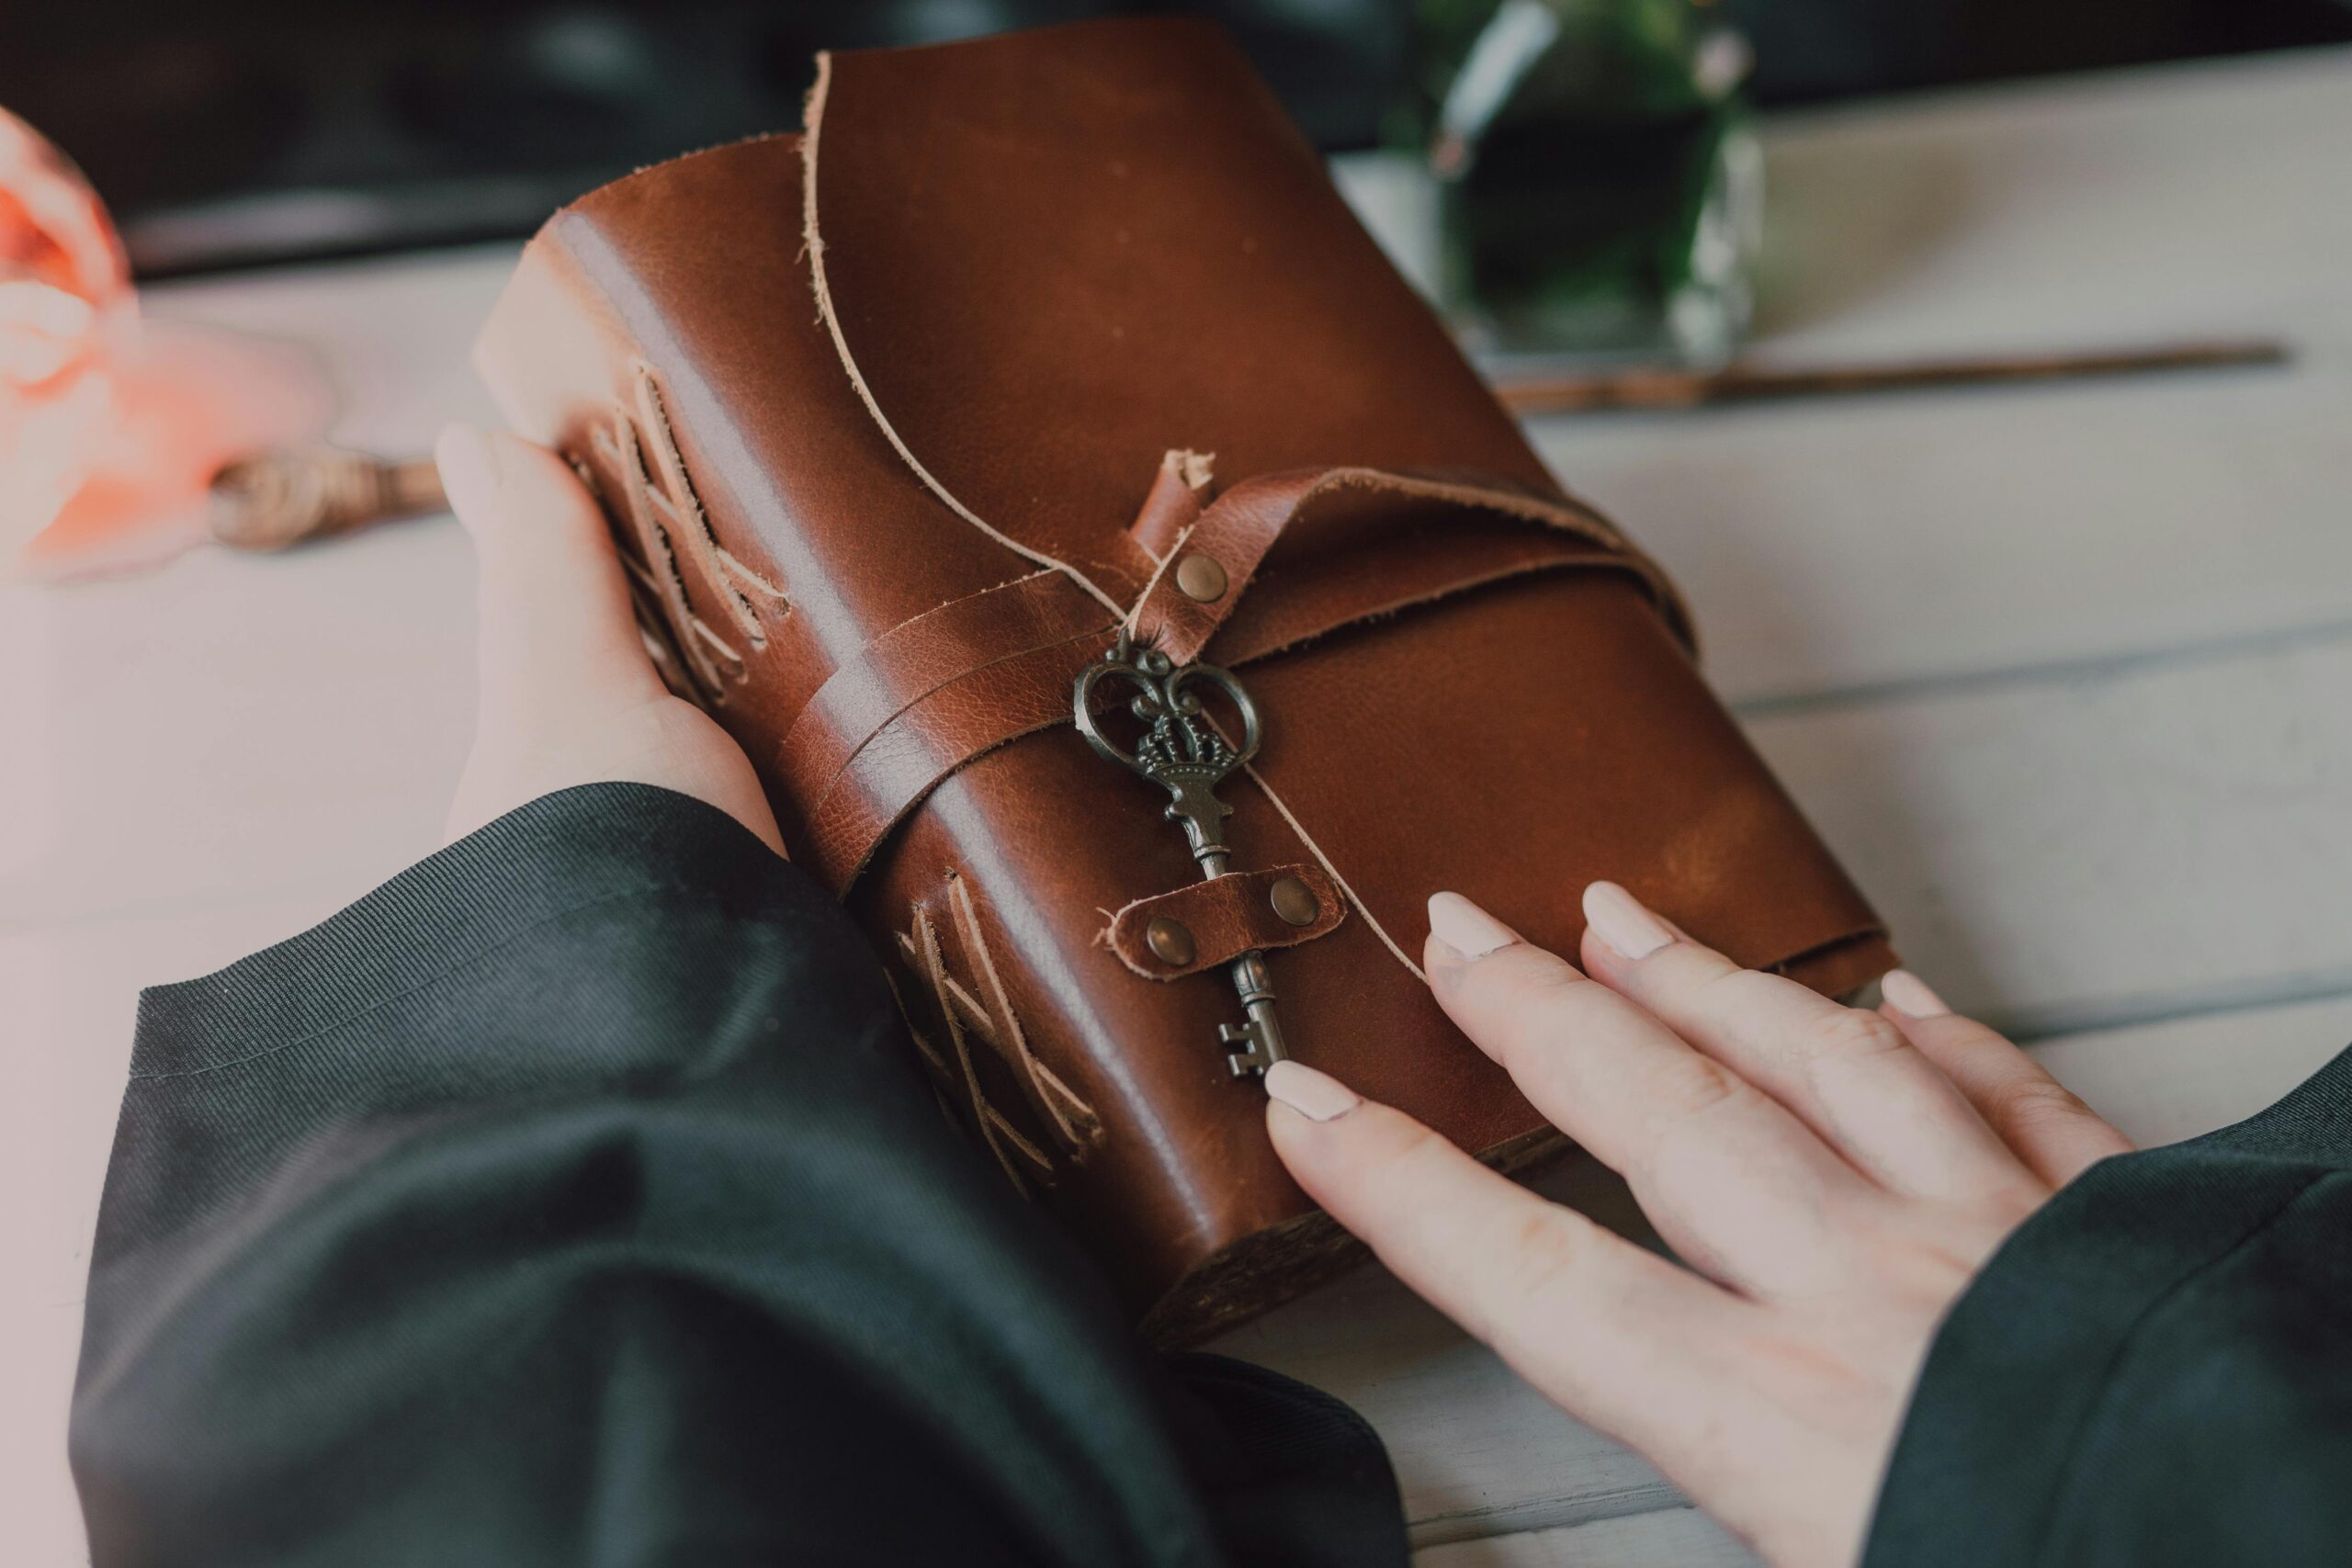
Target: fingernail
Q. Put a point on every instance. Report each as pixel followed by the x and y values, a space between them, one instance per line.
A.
pixel 1317 1096
pixel 1466 928
pixel 1910 995
pixel 469 470
pixel 1618 919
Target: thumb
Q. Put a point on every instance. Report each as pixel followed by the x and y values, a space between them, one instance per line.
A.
pixel 558 635
pixel 569 695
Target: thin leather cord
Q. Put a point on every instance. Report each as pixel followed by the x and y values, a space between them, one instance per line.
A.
pixel 1316 851
pixel 680 499
pixel 992 1119
pixel 813 120
pixel 968 925
pixel 622 451
pixel 1325 862
pixel 1176 547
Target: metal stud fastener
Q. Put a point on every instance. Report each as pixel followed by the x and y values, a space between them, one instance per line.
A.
pixel 1169 942
pixel 1294 902
pixel 1200 578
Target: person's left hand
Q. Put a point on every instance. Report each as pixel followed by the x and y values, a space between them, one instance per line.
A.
pixel 1832 1177
pixel 568 694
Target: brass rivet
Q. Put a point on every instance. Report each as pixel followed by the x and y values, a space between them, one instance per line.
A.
pixel 1201 578
pixel 1295 901
pixel 1169 942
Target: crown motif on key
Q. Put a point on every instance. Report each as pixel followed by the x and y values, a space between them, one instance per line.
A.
pixel 1180 745
pixel 1181 750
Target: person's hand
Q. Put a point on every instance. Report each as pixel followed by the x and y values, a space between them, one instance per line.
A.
pixel 1831 1177
pixel 568 694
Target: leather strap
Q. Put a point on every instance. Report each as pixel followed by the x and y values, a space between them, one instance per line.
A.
pixel 917 658
pixel 1172 505
pixel 1225 916
pixel 1236 531
pixel 951 726
pixel 939 691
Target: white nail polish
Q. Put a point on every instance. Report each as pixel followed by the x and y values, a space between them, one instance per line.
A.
pixel 1466 928
pixel 1910 995
pixel 1317 1096
pixel 1618 919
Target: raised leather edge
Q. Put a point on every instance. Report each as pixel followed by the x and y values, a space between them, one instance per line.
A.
pixel 1241 527
pixel 1227 917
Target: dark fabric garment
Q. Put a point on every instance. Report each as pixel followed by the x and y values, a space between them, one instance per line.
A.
pixel 2155 1371
pixel 572 1198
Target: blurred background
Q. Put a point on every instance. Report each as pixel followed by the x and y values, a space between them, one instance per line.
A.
pixel 1578 185
pixel 241 131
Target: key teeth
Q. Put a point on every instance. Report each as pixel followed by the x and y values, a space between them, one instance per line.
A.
pixel 1247 1064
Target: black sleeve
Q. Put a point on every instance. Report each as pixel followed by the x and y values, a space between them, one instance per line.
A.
pixel 2157 1369
pixel 572 1198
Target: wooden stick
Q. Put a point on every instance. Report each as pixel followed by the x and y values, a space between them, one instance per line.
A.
pixel 1672 389
pixel 275 499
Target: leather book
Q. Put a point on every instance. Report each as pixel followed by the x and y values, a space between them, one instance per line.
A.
pixel 1054 360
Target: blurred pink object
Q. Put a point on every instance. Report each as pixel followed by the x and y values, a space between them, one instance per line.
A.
pixel 66 315
pixel 109 432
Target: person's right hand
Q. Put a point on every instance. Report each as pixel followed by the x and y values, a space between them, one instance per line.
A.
pixel 1832 1178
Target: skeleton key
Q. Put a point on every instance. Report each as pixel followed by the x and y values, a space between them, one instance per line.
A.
pixel 1185 754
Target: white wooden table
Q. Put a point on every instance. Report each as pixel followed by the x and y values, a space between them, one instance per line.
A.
pixel 2065 673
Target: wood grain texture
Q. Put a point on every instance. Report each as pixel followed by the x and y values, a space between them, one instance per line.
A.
pixel 2059 854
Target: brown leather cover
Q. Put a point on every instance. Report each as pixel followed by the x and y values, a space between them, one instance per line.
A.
pixel 900 418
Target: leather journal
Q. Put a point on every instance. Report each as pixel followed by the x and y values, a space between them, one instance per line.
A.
pixel 1136 606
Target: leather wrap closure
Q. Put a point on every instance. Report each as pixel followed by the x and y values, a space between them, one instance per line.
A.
pixel 1225 917
pixel 1349 544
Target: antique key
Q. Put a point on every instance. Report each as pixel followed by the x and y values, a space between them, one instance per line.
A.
pixel 1184 753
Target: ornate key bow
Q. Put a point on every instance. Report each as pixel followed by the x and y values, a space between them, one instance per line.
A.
pixel 1182 752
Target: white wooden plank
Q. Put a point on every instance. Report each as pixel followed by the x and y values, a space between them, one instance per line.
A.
pixel 392 333
pixel 233 724
pixel 2163 1082
pixel 2117 204
pixel 1670 1537
pixel 1855 541
pixel 1863 542
pixel 2068 854
pixel 1478 1453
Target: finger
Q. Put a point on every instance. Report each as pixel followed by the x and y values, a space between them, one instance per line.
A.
pixel 1611 1331
pixel 1733 1181
pixel 2052 1130
pixel 557 636
pixel 1849 1074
